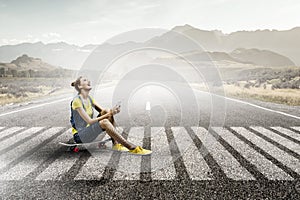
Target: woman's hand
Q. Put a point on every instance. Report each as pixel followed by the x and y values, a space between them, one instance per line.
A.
pixel 115 110
pixel 106 113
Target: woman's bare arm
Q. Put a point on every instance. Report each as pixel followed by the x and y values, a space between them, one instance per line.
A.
pixel 98 107
pixel 88 119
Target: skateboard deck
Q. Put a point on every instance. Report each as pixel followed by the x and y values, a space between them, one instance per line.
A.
pixel 78 146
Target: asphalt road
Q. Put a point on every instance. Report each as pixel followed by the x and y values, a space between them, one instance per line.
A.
pixel 186 108
pixel 204 146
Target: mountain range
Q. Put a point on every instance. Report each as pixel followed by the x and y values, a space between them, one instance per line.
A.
pixel 58 54
pixel 285 42
pixel 246 56
pixel 25 66
pixel 25 62
pixel 261 47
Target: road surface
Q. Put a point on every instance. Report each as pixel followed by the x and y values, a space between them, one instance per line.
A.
pixel 225 149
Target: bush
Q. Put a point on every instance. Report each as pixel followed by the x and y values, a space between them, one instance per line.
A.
pixel 247 85
pixel 33 90
pixel 3 91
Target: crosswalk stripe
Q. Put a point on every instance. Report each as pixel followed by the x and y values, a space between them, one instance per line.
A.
pixel 28 165
pixel 95 165
pixel 162 163
pixel 162 166
pixel 297 128
pixel 265 166
pixel 226 161
pixel 193 160
pixel 59 167
pixel 279 139
pixel 9 131
pixel 22 149
pixel 287 132
pixel 16 138
pixel 129 167
pixel 277 153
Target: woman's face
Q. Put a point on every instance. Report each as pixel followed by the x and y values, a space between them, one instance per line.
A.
pixel 85 84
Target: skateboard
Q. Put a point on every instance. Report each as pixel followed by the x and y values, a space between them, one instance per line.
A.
pixel 76 147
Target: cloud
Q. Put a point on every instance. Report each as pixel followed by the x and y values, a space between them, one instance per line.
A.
pixel 93 22
pixel 84 50
pixel 78 21
pixel 13 41
pixel 51 35
pixel 57 49
pixel 29 38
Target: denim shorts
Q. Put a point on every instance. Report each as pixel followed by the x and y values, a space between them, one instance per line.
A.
pixel 88 134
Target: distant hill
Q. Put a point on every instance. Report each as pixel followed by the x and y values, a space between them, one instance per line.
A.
pixel 244 56
pixel 25 62
pixel 285 43
pixel 25 66
pixel 210 56
pixel 58 54
pixel 261 57
pixel 265 44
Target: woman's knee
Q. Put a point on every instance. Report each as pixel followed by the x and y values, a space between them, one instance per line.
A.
pixel 104 123
pixel 104 111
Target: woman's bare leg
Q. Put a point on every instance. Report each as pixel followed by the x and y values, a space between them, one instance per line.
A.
pixel 111 131
pixel 112 121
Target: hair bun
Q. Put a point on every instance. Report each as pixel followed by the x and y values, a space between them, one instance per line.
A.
pixel 73 84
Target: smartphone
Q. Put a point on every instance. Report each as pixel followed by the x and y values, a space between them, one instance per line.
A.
pixel 118 105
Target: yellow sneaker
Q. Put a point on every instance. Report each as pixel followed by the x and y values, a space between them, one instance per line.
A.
pixel 140 151
pixel 119 147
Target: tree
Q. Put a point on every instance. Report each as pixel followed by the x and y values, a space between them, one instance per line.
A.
pixel 2 71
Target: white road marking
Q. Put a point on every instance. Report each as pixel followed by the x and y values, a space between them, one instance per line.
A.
pixel 148 107
pixel 253 105
pixel 23 148
pixel 59 167
pixel 95 165
pixel 36 106
pixel 297 128
pixel 28 165
pixel 226 161
pixel 265 166
pixel 282 156
pixel 287 132
pixel 10 131
pixel 236 100
pixel 16 138
pixel 263 108
pixel 129 167
pixel 277 138
pixel 193 160
pixel 162 166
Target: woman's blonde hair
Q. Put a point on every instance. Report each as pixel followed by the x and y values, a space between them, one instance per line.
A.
pixel 76 84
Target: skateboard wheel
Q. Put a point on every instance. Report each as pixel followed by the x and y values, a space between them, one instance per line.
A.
pixel 101 146
pixel 76 149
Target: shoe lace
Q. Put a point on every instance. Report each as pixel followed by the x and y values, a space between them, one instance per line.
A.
pixel 139 148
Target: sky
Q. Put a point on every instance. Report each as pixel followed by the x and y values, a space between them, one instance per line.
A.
pixel 82 22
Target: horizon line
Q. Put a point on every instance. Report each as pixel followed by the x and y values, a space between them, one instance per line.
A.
pixel 214 30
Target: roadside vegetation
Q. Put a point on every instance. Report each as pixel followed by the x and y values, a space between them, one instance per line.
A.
pixel 272 85
pixel 17 89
